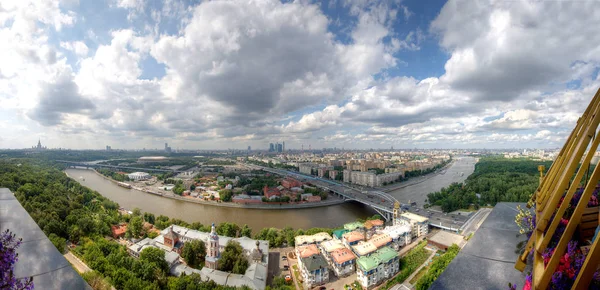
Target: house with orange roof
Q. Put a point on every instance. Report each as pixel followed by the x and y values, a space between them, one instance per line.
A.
pixel 343 262
pixel 118 231
pixel 352 238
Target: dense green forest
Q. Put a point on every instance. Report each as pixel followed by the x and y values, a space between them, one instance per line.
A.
pixel 495 179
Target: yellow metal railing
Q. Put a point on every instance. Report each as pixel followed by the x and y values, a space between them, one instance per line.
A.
pixel 556 183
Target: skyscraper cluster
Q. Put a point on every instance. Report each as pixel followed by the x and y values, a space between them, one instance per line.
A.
pixel 277 147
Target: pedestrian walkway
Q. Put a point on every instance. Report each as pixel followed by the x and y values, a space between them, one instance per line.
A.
pixel 79 265
pixel 407 281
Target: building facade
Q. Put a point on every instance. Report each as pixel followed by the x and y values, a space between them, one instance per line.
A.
pixel 315 270
pixel 419 224
pixel 212 250
pixel 378 267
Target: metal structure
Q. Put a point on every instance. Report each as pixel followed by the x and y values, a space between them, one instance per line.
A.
pixel 562 179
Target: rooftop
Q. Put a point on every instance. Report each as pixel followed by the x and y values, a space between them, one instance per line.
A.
pixel 489 257
pixel 314 262
pixel 353 236
pixel 37 255
pixel 342 255
pixel 446 238
pixel 330 246
pixel 307 251
pixel 414 217
pixel 383 255
pixel 381 240
pixel 316 238
pixel 364 248
pixel 353 226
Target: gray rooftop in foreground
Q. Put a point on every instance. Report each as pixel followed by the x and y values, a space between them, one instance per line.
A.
pixel 488 259
pixel 37 256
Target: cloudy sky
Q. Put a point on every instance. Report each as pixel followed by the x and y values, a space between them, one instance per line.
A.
pixel 353 74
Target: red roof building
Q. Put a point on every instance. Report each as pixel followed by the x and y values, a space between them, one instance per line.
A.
pixel 118 231
pixel 270 192
pixel 314 198
pixel 290 182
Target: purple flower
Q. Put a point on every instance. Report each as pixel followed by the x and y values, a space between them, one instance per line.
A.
pixel 8 259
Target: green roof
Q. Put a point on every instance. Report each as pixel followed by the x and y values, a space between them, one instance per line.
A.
pixel 314 262
pixel 353 226
pixel 338 233
pixel 382 255
pixel 367 263
pixel 385 254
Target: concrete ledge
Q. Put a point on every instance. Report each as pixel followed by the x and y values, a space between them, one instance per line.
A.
pixel 37 255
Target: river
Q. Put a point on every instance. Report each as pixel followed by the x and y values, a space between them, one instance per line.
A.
pixel 460 169
pixel 331 216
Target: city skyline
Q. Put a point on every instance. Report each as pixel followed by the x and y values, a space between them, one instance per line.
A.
pixel 355 75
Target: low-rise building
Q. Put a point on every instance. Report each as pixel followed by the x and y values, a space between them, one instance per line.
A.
pixel 342 262
pixel 352 238
pixel 372 226
pixel 419 224
pixel 443 240
pixel 363 249
pixel 401 234
pixel 313 239
pixel 337 234
pixel 378 267
pixel 315 270
pixel 353 226
pixel 118 231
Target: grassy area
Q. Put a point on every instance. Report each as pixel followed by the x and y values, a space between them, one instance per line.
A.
pixel 408 264
pixel 419 275
pixel 297 274
pixel 355 286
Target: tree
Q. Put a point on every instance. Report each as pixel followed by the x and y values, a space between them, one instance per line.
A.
pixel 137 212
pixel 59 242
pixel 192 187
pixel 148 217
pixel 225 195
pixel 193 253
pixel 233 259
pixel 156 257
pixel 135 225
pixel 246 231
pixel 228 229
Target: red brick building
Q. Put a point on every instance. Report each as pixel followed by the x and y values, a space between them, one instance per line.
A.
pixel 118 231
pixel 290 182
pixel 270 192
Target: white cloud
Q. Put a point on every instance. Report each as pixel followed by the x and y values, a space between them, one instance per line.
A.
pixel 78 47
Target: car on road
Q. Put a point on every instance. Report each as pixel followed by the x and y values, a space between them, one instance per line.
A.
pixel 286 267
pixel 284 258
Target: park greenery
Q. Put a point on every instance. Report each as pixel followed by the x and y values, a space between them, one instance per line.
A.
pixel 233 259
pixel 494 180
pixel 193 253
pixel 408 264
pixel 112 174
pixel 437 267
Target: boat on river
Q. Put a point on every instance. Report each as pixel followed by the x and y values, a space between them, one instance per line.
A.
pixel 123 184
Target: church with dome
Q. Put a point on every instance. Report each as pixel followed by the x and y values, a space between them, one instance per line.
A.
pixel 172 240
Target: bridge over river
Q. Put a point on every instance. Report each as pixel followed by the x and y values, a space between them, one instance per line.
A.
pixel 380 201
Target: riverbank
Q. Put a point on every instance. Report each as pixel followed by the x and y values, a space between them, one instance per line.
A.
pixel 417 180
pixel 331 200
